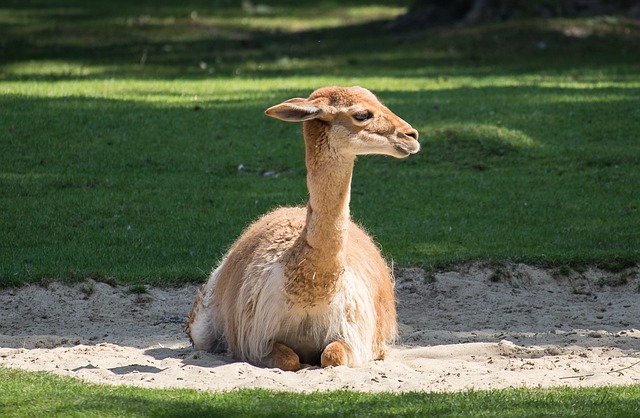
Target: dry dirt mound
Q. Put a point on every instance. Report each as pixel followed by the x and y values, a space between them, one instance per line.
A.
pixel 472 327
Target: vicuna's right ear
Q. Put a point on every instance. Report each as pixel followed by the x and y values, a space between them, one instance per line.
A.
pixel 295 110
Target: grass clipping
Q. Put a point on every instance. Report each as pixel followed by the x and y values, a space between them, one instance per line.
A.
pixel 476 326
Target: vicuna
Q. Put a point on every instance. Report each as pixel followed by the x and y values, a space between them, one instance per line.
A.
pixel 306 285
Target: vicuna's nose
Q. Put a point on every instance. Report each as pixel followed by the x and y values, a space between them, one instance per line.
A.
pixel 412 134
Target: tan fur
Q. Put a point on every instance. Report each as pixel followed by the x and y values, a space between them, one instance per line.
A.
pixel 307 285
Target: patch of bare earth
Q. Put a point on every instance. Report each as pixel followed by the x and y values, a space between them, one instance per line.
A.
pixel 476 326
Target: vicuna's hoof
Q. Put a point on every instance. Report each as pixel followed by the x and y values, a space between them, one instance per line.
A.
pixel 335 354
pixel 284 358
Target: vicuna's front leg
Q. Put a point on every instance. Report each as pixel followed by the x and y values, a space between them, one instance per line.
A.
pixel 284 358
pixel 335 354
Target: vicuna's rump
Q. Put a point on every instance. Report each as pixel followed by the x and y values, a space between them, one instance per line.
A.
pixel 305 285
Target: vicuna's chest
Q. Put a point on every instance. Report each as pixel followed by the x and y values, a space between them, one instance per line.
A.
pixel 311 278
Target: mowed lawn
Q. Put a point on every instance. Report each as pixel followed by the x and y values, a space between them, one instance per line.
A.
pixel 66 397
pixel 134 149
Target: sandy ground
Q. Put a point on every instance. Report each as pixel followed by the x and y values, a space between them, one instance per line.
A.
pixel 474 327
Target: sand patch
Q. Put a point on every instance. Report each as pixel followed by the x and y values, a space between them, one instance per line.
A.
pixel 472 327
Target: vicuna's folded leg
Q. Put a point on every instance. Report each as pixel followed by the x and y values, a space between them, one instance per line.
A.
pixel 335 354
pixel 284 358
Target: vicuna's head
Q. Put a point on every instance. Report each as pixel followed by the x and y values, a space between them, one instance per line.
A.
pixel 349 121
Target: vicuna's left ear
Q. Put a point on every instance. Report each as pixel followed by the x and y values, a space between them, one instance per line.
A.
pixel 295 110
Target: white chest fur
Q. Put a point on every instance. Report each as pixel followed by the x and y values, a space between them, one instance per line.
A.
pixel 349 317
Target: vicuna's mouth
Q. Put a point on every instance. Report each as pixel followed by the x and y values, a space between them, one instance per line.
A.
pixel 402 152
pixel 407 149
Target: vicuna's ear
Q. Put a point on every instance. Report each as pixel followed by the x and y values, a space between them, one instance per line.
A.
pixel 295 110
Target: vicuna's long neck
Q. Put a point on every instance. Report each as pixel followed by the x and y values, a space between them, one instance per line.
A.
pixel 329 184
pixel 320 261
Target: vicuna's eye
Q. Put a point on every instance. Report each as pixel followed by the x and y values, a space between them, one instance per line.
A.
pixel 362 116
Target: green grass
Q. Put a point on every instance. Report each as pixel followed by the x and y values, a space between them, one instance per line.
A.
pixel 66 397
pixel 134 147
pixel 124 178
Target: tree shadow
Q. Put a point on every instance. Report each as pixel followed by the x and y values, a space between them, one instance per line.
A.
pixel 105 40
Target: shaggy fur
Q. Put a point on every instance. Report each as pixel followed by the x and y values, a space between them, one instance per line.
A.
pixel 307 285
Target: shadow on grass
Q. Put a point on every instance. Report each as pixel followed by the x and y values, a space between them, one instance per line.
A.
pixel 62 41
